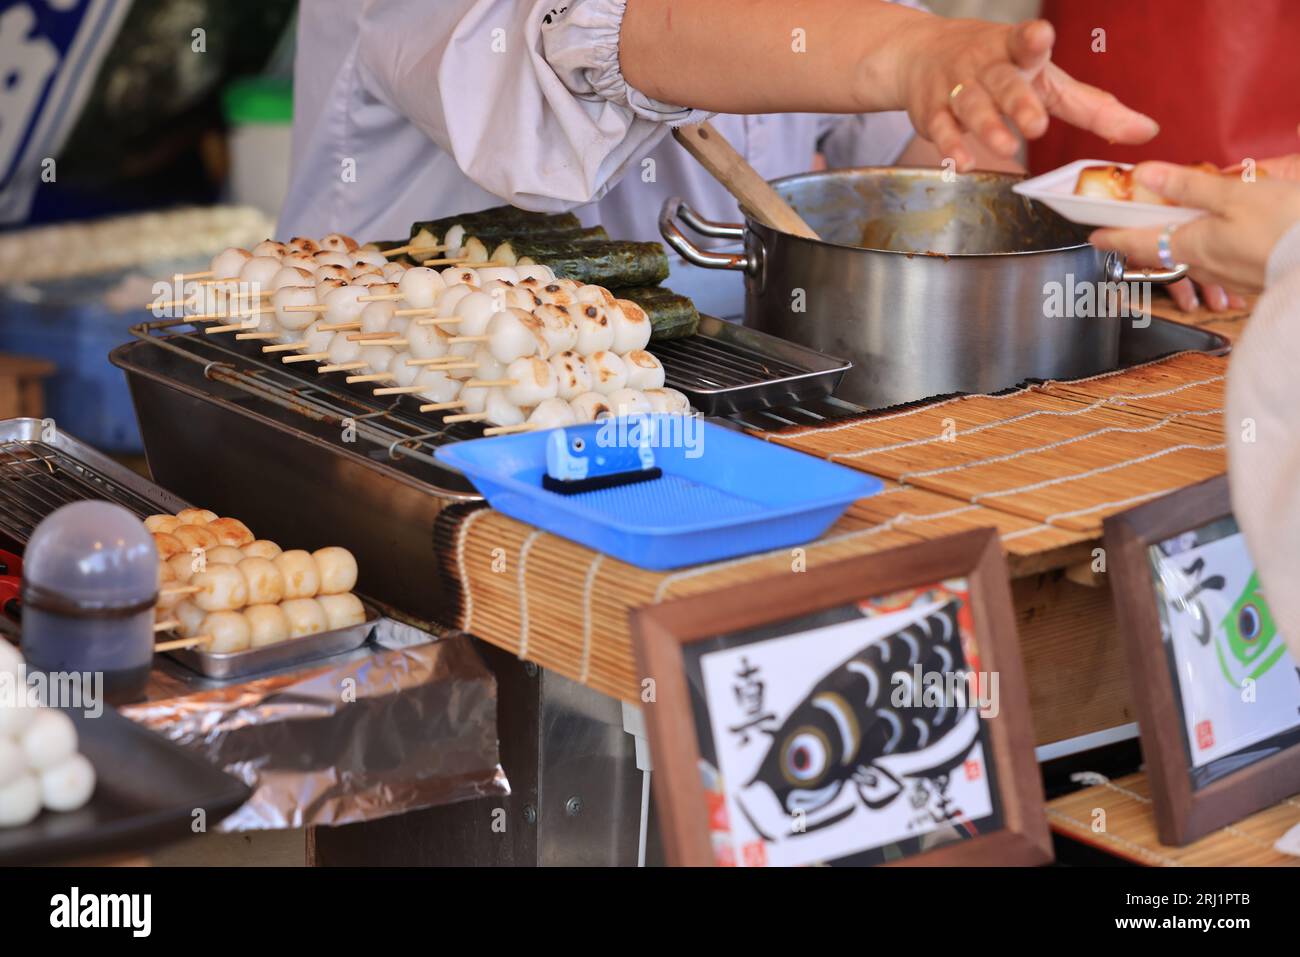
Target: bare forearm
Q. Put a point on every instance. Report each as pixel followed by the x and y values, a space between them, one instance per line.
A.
pixel 768 56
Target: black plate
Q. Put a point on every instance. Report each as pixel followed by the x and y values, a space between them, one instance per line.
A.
pixel 146 792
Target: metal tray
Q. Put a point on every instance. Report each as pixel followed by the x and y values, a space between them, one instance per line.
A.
pixel 229 665
pixel 727 368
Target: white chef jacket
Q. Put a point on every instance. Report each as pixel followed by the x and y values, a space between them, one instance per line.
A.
pixel 1262 424
pixel 411 109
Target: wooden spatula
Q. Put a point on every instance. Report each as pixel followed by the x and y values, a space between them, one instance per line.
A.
pixel 742 181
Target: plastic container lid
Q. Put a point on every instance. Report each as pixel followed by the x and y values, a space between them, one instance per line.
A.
pixel 257 100
pixel 91 559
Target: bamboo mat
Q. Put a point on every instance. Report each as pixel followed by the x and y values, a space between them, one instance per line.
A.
pixel 1061 454
pixel 1044 465
pixel 1130 829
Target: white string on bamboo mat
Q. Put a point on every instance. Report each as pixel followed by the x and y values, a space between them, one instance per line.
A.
pixel 1032 530
pixel 1059 443
pixel 688 573
pixel 1034 413
pixel 1118 503
pixel 1112 836
pixel 587 588
pixel 524 549
pixel 467 613
pixel 826 430
pixel 1100 470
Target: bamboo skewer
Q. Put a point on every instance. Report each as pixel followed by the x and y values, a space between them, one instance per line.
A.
pixel 382 297
pixel 449 321
pixel 285 347
pixel 307 357
pixel 373 336
pixel 444 362
pixel 256 335
pixel 337 326
pixel 465 417
pixel 232 327
pixel 166 625
pixel 343 367
pixel 509 429
pixel 180 643
pixel 489 383
pixel 318 307
pixel 179 590
pixel 462 261
pixel 442 406
pixel 370 377
pixel 412 248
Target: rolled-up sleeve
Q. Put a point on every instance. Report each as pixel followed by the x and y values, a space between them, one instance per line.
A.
pixel 526 95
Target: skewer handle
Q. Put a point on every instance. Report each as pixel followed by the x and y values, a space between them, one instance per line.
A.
pixel 440 406
pixel 428 311
pixel 343 367
pixel 461 261
pixel 489 383
pixel 232 327
pixel 372 336
pixel 449 321
pixel 382 297
pixel 307 357
pixel 285 347
pixel 337 326
pixel 412 248
pixel 454 339
pixel 179 590
pixel 256 335
pixel 510 429
pixel 445 362
pixel 182 643
pixel 318 307
pixel 465 417
pixel 370 377
pixel 399 390
pixel 166 625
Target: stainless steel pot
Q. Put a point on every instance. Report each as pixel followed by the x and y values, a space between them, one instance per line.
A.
pixel 931 283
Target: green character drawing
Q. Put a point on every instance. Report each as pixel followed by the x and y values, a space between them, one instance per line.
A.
pixel 1251 637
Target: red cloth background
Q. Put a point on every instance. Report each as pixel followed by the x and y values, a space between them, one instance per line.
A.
pixel 1221 77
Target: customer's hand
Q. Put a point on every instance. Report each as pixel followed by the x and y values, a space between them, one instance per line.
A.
pixel 1003 72
pixel 1230 246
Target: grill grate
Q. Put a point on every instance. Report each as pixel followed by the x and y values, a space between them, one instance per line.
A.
pixel 720 369
pixel 395 425
pixel 36 479
pixel 697 363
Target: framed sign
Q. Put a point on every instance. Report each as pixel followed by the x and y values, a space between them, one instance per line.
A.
pixel 1217 693
pixel 870 711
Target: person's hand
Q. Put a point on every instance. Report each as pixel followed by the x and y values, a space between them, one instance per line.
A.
pixel 1230 246
pixel 1004 72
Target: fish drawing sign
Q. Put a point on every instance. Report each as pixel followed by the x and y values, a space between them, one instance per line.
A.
pixel 1248 643
pixel 846 734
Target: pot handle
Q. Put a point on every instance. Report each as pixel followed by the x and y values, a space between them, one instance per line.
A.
pixel 676 207
pixel 1115 272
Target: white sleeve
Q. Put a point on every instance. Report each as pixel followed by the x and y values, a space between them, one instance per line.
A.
pixel 866 139
pixel 1263 435
pixel 526 95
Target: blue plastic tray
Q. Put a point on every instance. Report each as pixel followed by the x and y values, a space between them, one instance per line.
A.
pixel 738 495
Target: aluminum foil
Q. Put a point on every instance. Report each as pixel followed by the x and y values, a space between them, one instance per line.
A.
pixel 406 723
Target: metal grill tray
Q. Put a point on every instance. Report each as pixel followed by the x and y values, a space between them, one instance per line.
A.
pixel 225 666
pixel 727 368
pixel 43 468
